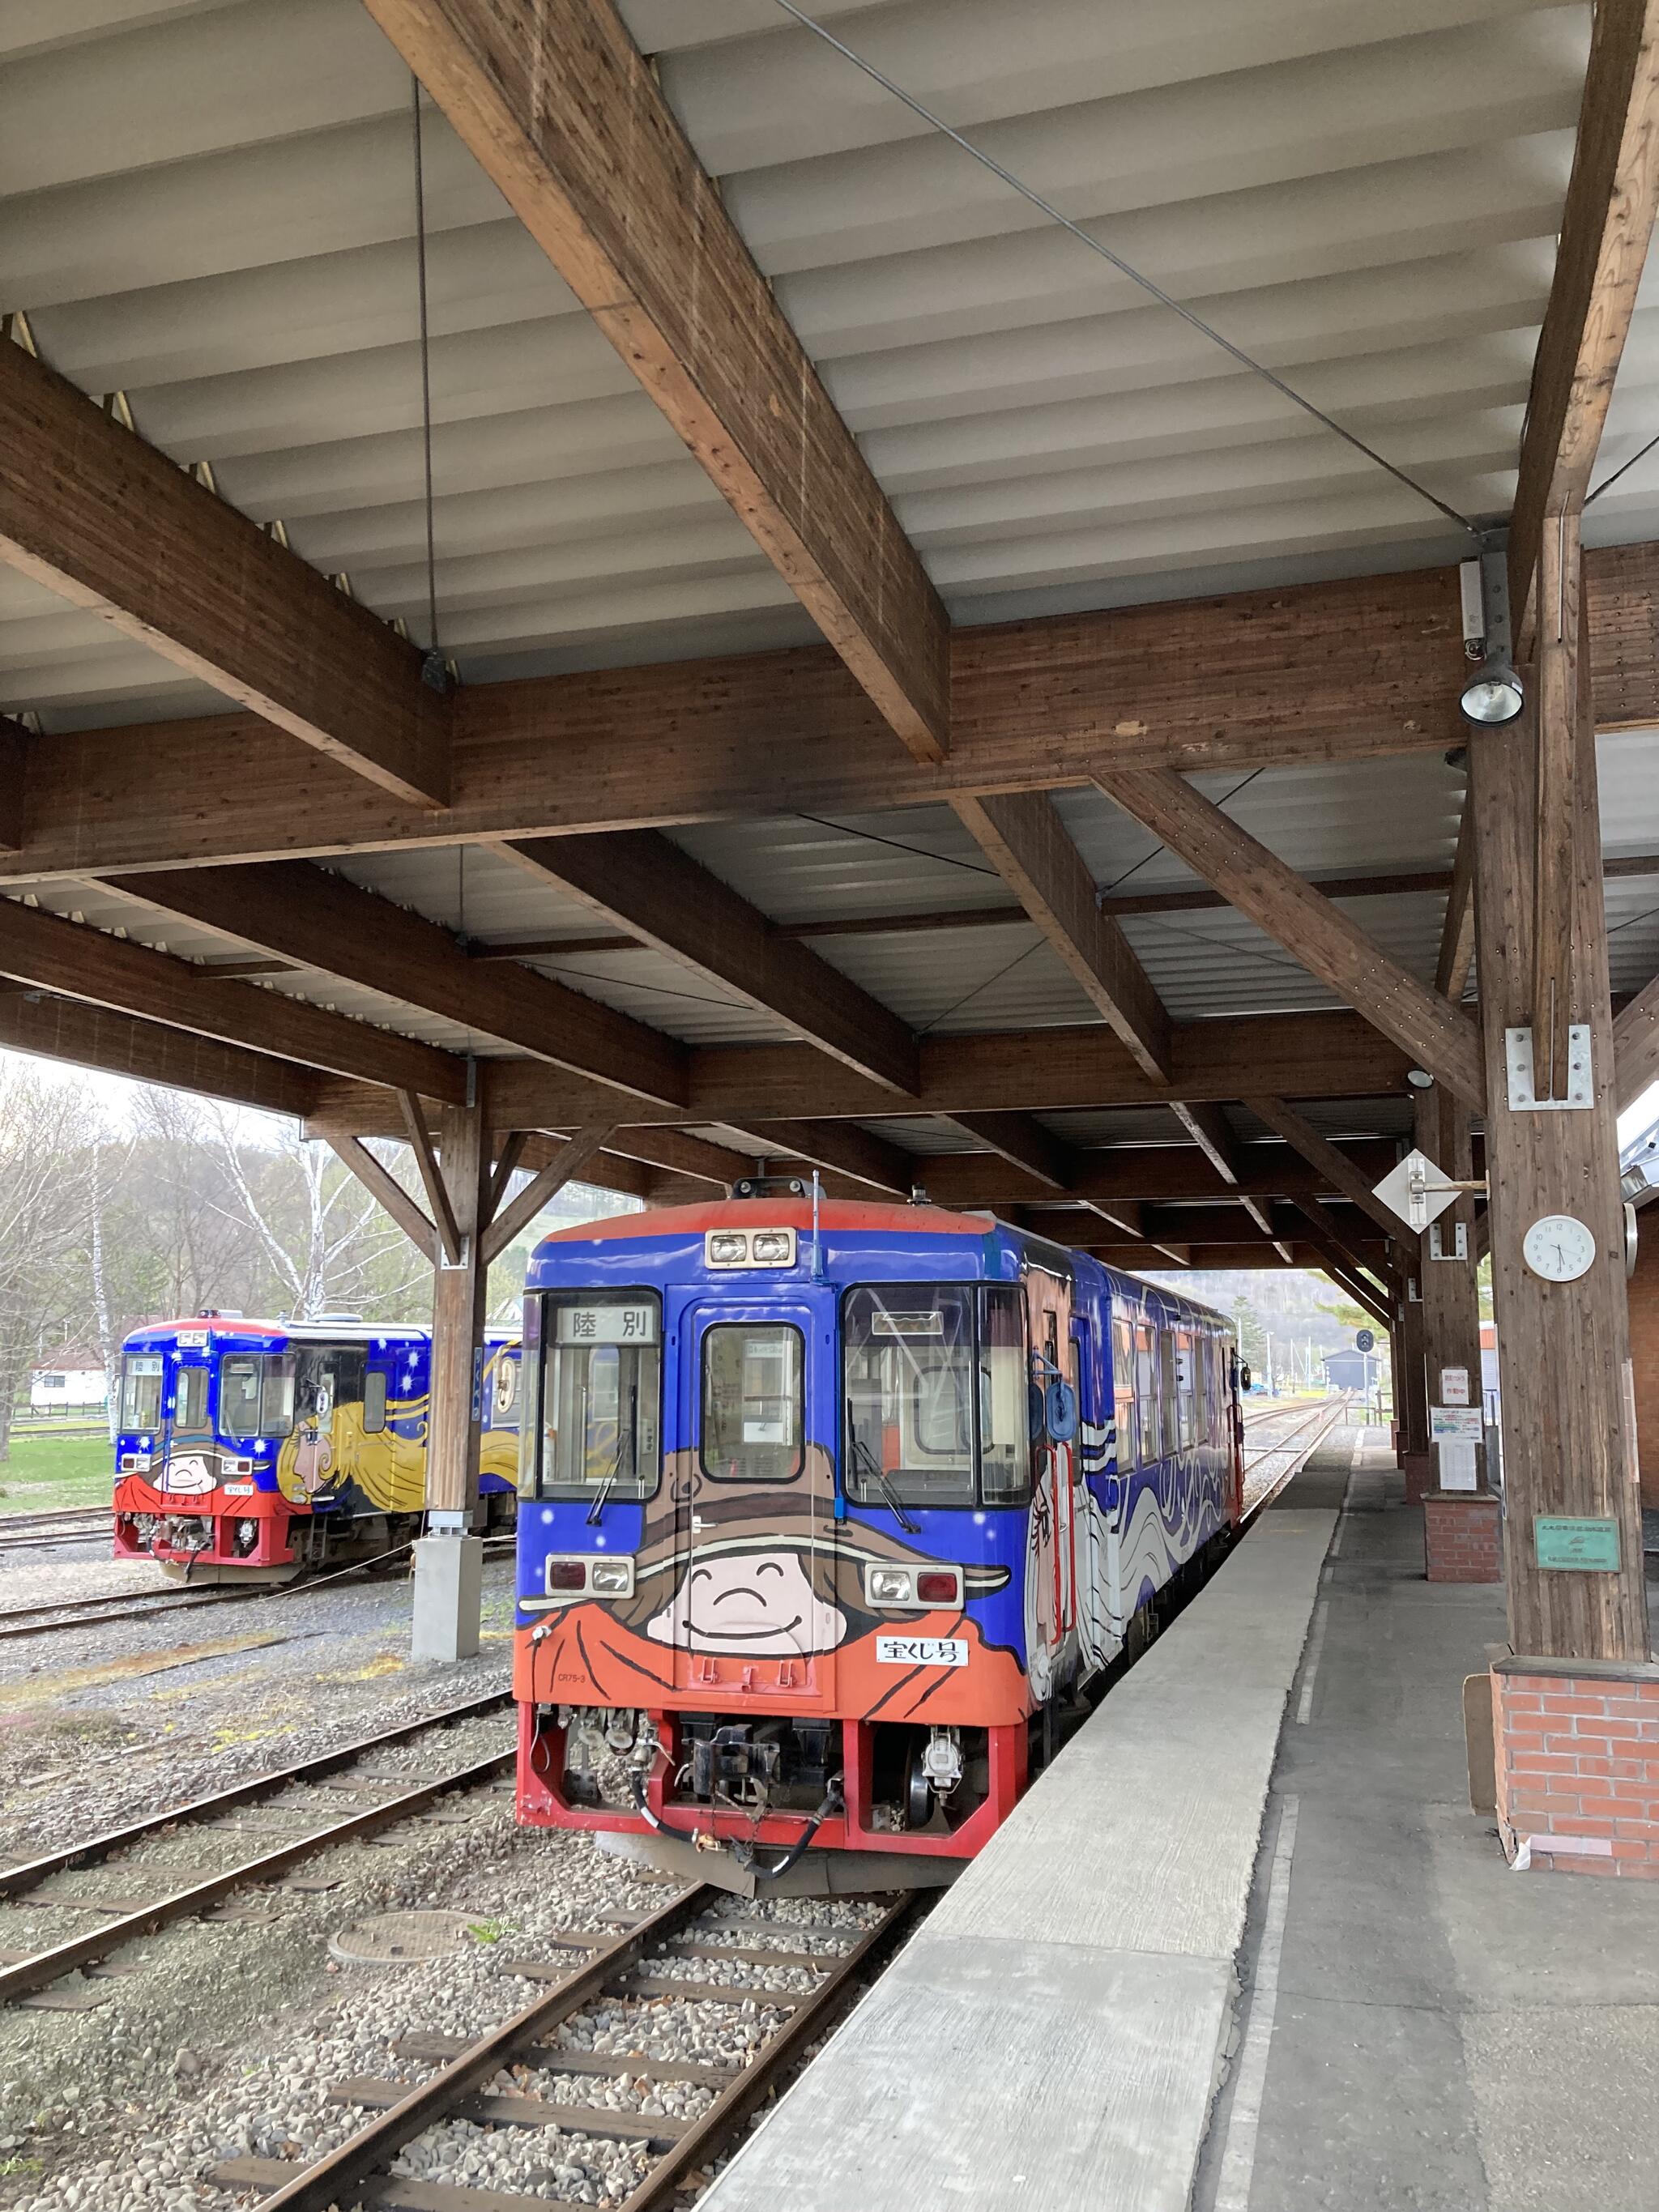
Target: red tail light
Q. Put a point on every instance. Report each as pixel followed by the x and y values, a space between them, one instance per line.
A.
pixel 567 1574
pixel 937 1586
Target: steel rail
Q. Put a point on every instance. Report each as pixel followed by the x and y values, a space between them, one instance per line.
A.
pixel 51 1966
pixel 340 2176
pixel 15 1880
pixel 356 2172
pixel 1298 1462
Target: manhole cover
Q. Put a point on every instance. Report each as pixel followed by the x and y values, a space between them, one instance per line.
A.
pixel 400 1939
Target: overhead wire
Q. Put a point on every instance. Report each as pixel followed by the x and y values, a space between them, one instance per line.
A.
pixel 1126 268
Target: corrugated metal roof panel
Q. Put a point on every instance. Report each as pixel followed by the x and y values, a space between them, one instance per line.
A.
pixel 210 207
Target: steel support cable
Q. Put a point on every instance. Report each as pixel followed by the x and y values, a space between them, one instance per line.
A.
pixel 1126 268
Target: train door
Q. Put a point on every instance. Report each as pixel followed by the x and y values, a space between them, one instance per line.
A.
pixel 188 1461
pixel 1089 1545
pixel 756 1607
pixel 1051 1562
pixel 327 1422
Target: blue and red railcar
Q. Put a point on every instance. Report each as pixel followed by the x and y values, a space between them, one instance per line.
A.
pixel 824 1508
pixel 254 1450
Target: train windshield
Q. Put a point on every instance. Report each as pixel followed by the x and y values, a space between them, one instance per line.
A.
pixel 602 1397
pixel 238 1394
pixel 141 1390
pixel 935 1389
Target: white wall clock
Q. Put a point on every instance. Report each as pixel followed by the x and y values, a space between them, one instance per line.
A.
pixel 1559 1248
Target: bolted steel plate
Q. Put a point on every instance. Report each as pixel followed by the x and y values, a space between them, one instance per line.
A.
pixel 400 1939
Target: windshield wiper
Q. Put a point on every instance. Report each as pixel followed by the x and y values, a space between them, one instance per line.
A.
pixel 609 1483
pixel 861 1451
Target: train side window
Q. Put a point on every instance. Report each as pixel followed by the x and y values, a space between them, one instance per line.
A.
pixel 1186 1377
pixel 1146 1393
pixel 190 1410
pixel 141 1390
pixel 1004 1449
pixel 373 1401
pixel 238 1396
pixel 1125 1411
pixel 1166 1394
pixel 277 1396
pixel 601 1401
pixel 753 1402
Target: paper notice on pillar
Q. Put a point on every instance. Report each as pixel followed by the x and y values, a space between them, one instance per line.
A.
pixel 1455 1425
pixel 1457 1465
pixel 1454 1386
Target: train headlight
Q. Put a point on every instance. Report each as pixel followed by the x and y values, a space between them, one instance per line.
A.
pixel 613 1577
pixel 567 1574
pixel 728 1248
pixel 773 1248
pixel 889 1585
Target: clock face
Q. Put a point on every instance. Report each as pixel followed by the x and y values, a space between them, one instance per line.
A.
pixel 1559 1248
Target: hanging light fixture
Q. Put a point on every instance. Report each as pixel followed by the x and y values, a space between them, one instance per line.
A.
pixel 1493 694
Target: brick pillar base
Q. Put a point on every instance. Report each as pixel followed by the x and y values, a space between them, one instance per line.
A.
pixel 1463 1537
pixel 1577 1759
pixel 1419 1469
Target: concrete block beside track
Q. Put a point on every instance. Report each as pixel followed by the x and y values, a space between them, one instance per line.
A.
pixel 1054 2036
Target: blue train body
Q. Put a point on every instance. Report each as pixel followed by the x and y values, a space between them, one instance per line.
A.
pixel 822 1509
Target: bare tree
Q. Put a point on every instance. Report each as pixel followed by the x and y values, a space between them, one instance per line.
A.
pixel 46 1144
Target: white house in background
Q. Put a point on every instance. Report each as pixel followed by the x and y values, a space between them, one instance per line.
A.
pixel 72 1381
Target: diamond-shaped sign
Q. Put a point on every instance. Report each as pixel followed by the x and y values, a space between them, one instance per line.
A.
pixel 1414 1191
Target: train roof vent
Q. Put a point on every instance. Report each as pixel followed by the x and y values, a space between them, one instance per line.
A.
pixel 320 1319
pixel 771 1187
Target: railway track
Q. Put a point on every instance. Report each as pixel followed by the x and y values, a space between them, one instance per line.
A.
pixel 74 1524
pixel 635 1966
pixel 1292 1447
pixel 25 1975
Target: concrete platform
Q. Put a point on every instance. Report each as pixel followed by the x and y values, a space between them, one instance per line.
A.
pixel 1055 2033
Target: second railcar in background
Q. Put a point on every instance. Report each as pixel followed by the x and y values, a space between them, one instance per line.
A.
pixel 255 1451
pixel 830 1512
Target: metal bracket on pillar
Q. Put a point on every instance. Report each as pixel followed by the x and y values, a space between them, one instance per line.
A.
pixel 449 1524
pixel 1523 1093
pixel 1460 1241
pixel 463 1259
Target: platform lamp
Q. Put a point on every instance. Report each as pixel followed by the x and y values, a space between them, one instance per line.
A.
pixel 1492 695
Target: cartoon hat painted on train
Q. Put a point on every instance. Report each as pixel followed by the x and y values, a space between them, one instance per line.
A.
pixel 760 1549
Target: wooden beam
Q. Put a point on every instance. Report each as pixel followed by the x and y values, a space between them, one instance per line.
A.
pixel 1358 669
pixel 1326 1160
pixel 583 1149
pixel 1451 975
pixel 567 119
pixel 642 880
pixel 1636 1046
pixel 384 1189
pixel 13 766
pixel 1553 712
pixel 93 513
pixel 433 1177
pixel 461 1287
pixel 1322 1224
pixel 1360 1289
pixel 83 963
pixel 1222 1259
pixel 149 1052
pixel 1211 1131
pixel 1025 840
pixel 320 919
pixel 1158 1173
pixel 1021 1139
pixel 1317 1056
pixel 508 1157
pixel 1607 221
pixel 1316 932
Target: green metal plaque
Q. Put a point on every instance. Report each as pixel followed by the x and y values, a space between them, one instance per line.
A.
pixel 1584 1546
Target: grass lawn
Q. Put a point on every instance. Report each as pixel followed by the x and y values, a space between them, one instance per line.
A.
pixel 46 1471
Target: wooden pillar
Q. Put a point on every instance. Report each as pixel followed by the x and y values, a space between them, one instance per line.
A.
pixel 1563 1348
pixel 1411 1397
pixel 1450 1288
pixel 458 1322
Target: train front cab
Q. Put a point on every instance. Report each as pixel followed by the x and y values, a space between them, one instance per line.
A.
pixel 789 1550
